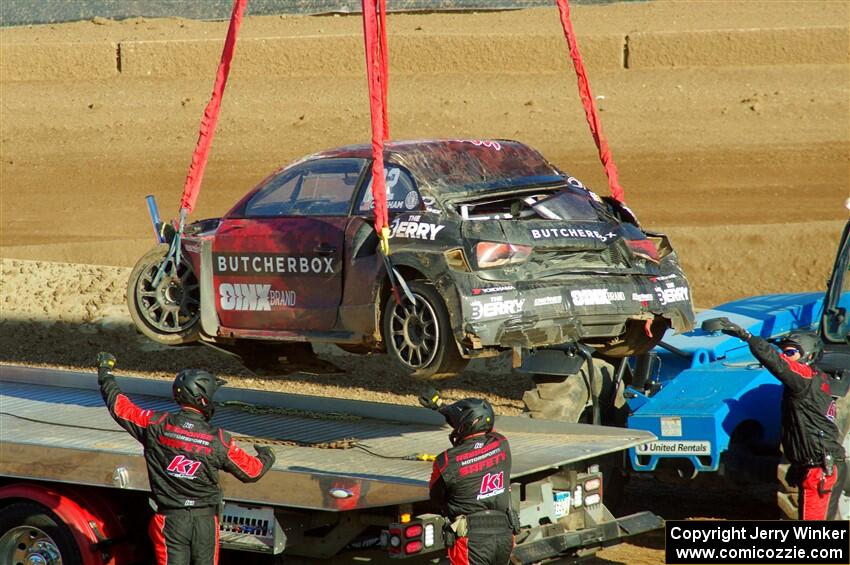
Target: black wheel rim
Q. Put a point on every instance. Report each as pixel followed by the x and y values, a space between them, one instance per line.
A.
pixel 414 332
pixel 173 305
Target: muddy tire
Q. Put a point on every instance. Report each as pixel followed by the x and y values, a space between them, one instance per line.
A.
pixel 170 312
pixel 30 533
pixel 418 337
pixel 634 340
pixel 787 495
pixel 568 399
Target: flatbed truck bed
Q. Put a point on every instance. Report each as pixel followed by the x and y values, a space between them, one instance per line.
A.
pixel 340 482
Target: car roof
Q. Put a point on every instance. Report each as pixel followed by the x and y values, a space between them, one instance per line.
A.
pixel 454 167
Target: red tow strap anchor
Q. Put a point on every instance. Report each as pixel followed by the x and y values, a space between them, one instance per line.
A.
pixel 589 105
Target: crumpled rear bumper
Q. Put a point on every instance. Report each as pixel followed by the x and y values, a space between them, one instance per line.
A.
pixel 542 315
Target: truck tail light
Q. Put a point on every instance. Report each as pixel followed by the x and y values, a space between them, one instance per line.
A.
pixel 421 534
pixel 592 485
pixel 490 254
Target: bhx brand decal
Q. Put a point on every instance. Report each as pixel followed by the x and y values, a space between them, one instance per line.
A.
pixel 595 296
pixel 254 297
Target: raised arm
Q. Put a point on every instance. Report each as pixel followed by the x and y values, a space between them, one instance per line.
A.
pixel 129 416
pixel 796 376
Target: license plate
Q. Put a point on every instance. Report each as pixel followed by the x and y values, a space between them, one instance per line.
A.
pixel 675 448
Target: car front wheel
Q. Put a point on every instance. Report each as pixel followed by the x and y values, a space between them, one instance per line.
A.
pixel 168 312
pixel 418 335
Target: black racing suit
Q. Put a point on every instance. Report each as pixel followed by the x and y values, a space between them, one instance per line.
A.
pixel 473 479
pixel 184 454
pixel 809 432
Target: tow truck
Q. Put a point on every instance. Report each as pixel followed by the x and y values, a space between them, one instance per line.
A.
pixel 350 482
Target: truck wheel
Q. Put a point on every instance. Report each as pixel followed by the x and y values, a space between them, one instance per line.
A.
pixel 567 399
pixel 30 533
pixel 419 336
pixel 634 340
pixel 169 312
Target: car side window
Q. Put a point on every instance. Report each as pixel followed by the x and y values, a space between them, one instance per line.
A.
pixel 402 195
pixel 320 188
pixel 274 199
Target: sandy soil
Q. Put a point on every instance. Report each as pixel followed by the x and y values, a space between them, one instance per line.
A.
pixel 746 168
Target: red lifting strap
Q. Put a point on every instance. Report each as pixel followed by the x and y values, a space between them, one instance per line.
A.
pixel 208 123
pixel 589 104
pixel 375 36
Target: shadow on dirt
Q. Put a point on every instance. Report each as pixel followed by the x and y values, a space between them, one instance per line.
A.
pixel 75 345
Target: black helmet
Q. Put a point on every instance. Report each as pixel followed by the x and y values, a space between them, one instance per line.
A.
pixel 467 417
pixel 809 344
pixel 196 388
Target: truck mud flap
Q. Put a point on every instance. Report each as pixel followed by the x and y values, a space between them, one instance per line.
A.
pixel 601 535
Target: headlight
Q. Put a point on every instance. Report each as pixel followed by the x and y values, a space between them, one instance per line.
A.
pixel 491 254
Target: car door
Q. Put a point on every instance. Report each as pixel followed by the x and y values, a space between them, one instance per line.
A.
pixel 278 261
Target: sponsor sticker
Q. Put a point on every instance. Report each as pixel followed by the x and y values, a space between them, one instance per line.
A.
pixel 270 264
pixel 639 297
pixel 411 201
pixel 675 447
pixel 492 484
pixel 254 297
pixel 484 143
pixel 183 467
pixel 430 204
pixel 672 294
pixel 491 290
pixel 548 300
pixel 496 307
pixel 538 234
pixel 413 228
pixel 596 296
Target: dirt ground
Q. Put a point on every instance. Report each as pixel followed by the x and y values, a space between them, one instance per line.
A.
pixel 746 168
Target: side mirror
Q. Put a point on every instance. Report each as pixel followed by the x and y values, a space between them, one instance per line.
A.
pixel 713 325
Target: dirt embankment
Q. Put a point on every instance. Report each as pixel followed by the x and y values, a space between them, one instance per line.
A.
pixel 728 121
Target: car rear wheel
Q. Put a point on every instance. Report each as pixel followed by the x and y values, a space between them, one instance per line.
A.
pixel 634 340
pixel 567 399
pixel 418 336
pixel 169 311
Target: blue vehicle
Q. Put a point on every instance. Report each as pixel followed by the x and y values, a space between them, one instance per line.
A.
pixel 715 409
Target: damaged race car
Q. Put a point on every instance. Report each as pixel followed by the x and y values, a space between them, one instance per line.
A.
pixel 497 248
